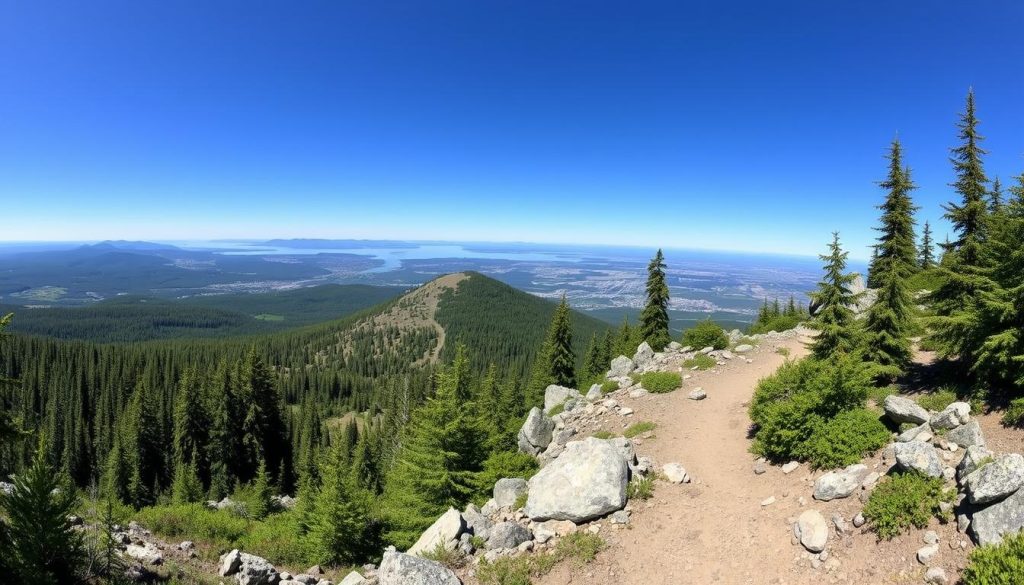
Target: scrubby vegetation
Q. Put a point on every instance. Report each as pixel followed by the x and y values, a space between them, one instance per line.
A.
pixel 706 333
pixel 579 548
pixel 938 399
pixel 1001 564
pixel 700 361
pixel 904 500
pixel 661 382
pixel 773 317
pixel 640 488
pixel 845 439
pixel 638 429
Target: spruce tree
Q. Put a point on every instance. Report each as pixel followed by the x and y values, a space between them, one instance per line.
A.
pixel 186 487
pixel 44 547
pixel 626 340
pixel 260 502
pixel 654 317
pixel 889 318
pixel 995 197
pixel 556 361
pixel 338 523
pixel 834 317
pixel 927 254
pixel 594 365
pixel 191 423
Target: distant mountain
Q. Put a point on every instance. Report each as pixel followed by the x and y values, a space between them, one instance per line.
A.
pixel 314 243
pixel 130 245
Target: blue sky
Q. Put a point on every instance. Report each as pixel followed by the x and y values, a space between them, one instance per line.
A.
pixel 726 125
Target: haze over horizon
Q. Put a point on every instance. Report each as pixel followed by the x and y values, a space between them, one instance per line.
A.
pixel 740 128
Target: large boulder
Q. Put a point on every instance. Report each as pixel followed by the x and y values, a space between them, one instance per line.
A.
pixel 146 553
pixel 229 563
pixel 402 569
pixel 919 457
pixel 912 433
pixel 974 457
pixel 840 483
pixel 989 525
pixel 904 410
pixel 644 358
pixel 587 481
pixel 621 367
pixel 535 435
pixel 812 530
pixel 954 415
pixel 594 393
pixel 555 395
pixel 966 435
pixel 506 535
pixel 477 522
pixel 444 532
pixel 249 569
pixel 995 480
pixel 508 489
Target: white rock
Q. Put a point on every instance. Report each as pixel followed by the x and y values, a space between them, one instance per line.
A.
pixel 936 576
pixel 790 467
pixel 443 532
pixel 698 393
pixel 840 483
pixel 996 480
pixel 675 473
pixel 904 410
pixel 812 530
pixel 402 569
pixel 925 554
pixel 587 481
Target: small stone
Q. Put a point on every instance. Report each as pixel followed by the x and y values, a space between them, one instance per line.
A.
pixel 698 393
pixel 768 501
pixel 760 467
pixel 930 537
pixel 813 530
pixel 925 554
pixel 859 520
pixel 675 473
pixel 936 576
pixel 790 467
pixel 625 411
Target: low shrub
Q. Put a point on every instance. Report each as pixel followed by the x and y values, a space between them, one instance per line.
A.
pixel 938 399
pixel 661 382
pixel 609 386
pixel 930 279
pixel 1001 564
pixel 504 464
pixel 579 548
pixel 603 435
pixel 640 488
pixel 845 439
pixel 219 527
pixel 700 361
pixel 638 429
pixel 557 409
pixel 878 394
pixel 905 500
pixel 1014 415
pixel 706 333
pixel 277 537
pixel 783 351
pixel 777 323
pixel 521 501
pixel 451 558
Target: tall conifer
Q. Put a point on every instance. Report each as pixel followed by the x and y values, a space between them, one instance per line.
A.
pixel 834 318
pixel 654 317
pixel 927 253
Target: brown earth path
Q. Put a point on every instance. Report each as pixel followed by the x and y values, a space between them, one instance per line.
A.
pixel 715 529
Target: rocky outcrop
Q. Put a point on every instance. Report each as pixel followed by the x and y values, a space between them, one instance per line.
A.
pixel 621 367
pixel 555 395
pixel 840 483
pixel 477 522
pixel 996 480
pixel 248 569
pixel 644 359
pixel 507 535
pixel 535 434
pixel 444 532
pixel 974 456
pixel 402 569
pixel 991 524
pixel 146 553
pixel 904 410
pixel 587 481
pixel 919 457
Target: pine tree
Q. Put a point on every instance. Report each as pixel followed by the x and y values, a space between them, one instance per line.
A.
pixel 927 254
pixel 594 364
pixel 186 487
pixel 556 361
pixel 834 318
pixel 262 422
pixel 44 546
pixel 626 340
pixel 654 317
pixel 191 423
pixel 995 197
pixel 337 525
pixel 889 318
pixel 260 503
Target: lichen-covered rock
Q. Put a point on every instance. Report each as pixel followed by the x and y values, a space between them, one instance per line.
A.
pixel 254 570
pixel 535 434
pixel 621 367
pixel 507 535
pixel 402 569
pixel 147 553
pixel 996 480
pixel 555 395
pixel 840 483
pixel 229 563
pixel 954 415
pixel 644 358
pixel 989 525
pixel 353 578
pixel 443 532
pixel 974 456
pixel 904 410
pixel 587 481
pixel 919 457
pixel 912 433
pixel 966 435
pixel 508 489
pixel 477 522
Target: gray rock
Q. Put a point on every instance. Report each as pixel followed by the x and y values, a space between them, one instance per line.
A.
pixel 402 569
pixel 954 415
pixel 936 576
pixel 555 395
pixel 477 522
pixel 966 435
pixel 925 554
pixel 621 367
pixel 790 467
pixel 147 553
pixel 743 348
pixel 625 447
pixel 507 535
pixel 229 563
pixel 644 358
pixel 973 457
pixel 919 457
pixel 444 532
pixel 698 393
pixel 535 435
pixel 996 480
pixel 254 570
pixel 594 393
pixel 812 530
pixel 760 467
pixel 989 525
pixel 587 481
pixel 620 517
pixel 508 489
pixel 904 410
pixel 859 520
pixel 490 508
pixel 675 473
pixel 562 437
pixel 353 578
pixel 840 483
pixel 911 434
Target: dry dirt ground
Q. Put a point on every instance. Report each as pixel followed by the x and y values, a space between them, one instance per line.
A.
pixel 715 529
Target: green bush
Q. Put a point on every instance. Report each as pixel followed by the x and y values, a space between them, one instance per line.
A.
pixel 661 382
pixel 219 527
pixel 938 399
pixel 845 439
pixel 1014 415
pixel 277 537
pixel 640 488
pixel 700 361
pixel 557 409
pixel 504 464
pixel 930 279
pixel 706 333
pixel 1001 564
pixel 792 405
pixel 777 323
pixel 638 429
pixel 905 500
pixel 579 547
pixel 603 435
pixel 609 386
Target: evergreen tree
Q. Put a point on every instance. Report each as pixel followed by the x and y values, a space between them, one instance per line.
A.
pixel 260 502
pixel 556 360
pixel 337 527
pixel 889 317
pixel 262 422
pixel 927 254
pixel 594 364
pixel 872 281
pixel 626 340
pixel 186 487
pixel 654 317
pixel 364 471
pixel 995 197
pixel 44 546
pixel 834 318
pixel 191 423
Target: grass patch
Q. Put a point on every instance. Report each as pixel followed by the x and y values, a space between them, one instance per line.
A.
pixel 609 386
pixel 453 559
pixel 661 382
pixel 638 429
pixel 521 501
pixel 640 488
pixel 221 528
pixel 938 399
pixel 878 394
pixel 700 361
pixel 557 409
pixel 905 500
pixel 1001 564
pixel 783 351
pixel 579 548
pixel 603 435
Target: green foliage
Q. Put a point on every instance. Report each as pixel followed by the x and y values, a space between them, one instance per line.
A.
pixel 602 435
pixel 938 400
pixel 792 409
pixel 520 501
pixel 706 333
pixel 772 317
pixel 609 386
pixel 579 548
pixel 42 546
pixel 661 382
pixel 1000 564
pixel 640 488
pixel 556 361
pixel 340 530
pixel 845 439
pixel 450 558
pixel 834 318
pixel 654 317
pixel 195 521
pixel 700 361
pixel 556 409
pixel 1014 414
pixel 904 500
pixel 638 429
pixel 926 258
pixel 505 464
pixel 929 279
